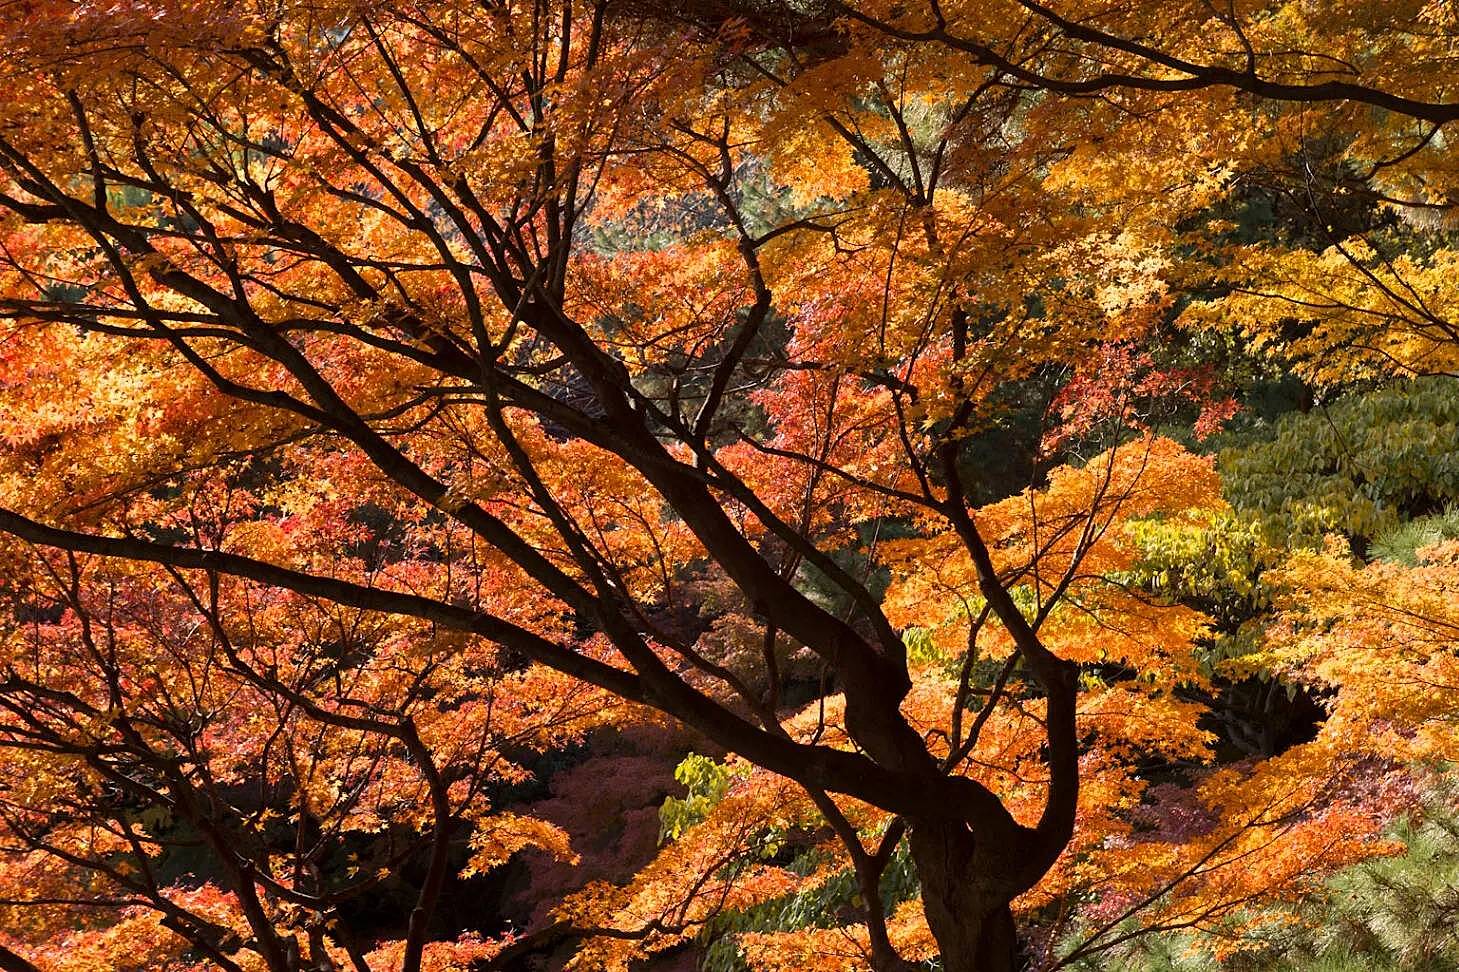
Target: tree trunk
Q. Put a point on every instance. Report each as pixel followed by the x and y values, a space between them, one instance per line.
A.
pixel 967 905
pixel 987 942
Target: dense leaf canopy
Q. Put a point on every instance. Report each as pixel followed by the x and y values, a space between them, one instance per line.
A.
pixel 957 482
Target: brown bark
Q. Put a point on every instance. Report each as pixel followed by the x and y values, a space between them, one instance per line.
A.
pixel 966 897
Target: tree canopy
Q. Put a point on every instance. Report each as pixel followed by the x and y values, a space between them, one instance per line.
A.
pixel 997 456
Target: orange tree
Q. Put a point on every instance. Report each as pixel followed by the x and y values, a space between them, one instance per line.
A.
pixel 408 354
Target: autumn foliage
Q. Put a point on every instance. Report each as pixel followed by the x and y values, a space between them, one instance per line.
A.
pixel 778 486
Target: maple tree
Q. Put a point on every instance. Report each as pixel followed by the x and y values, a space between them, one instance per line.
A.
pixel 395 392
